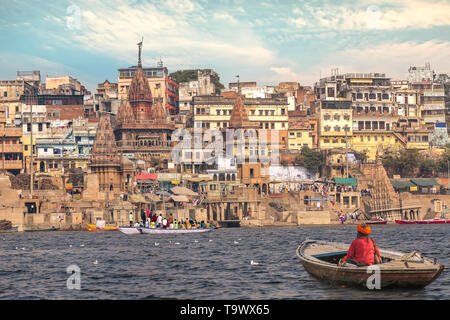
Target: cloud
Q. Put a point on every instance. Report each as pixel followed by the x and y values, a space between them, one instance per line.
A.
pixel 394 59
pixel 223 16
pixel 114 30
pixel 394 15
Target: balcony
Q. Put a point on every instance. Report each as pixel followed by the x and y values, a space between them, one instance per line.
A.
pixel 10 132
pixel 10 164
pixel 13 148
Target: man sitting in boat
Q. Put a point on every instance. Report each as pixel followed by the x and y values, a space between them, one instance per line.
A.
pixel 363 251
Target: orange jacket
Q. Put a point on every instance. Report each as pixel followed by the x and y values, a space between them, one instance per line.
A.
pixel 362 250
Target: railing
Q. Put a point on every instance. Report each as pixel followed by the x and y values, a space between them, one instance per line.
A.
pixel 10 164
pixel 11 148
pixel 10 132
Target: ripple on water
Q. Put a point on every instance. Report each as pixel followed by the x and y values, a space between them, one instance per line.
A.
pixel 132 267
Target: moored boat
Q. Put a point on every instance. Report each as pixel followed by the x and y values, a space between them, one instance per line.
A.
pixel 379 221
pixel 10 230
pixel 140 230
pixel 320 259
pixel 93 227
pixel 430 221
pixel 41 230
pixel 405 221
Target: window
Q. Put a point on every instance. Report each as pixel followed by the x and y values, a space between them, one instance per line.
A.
pixel 252 112
pixel 283 111
pixel 335 141
pixel 251 173
pixel 362 139
pixel 368 138
pixel 326 117
pixel 5 94
pixel 326 140
pixel 218 112
pixel 299 134
pixel 359 96
pixel 382 138
pixel 40 126
pixel 272 125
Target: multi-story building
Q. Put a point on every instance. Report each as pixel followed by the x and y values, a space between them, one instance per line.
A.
pixel 66 147
pixel 302 130
pixel 203 85
pixel 11 92
pixel 433 104
pixel 41 129
pixel 64 85
pixel 214 112
pixel 108 89
pixel 164 88
pixel 335 124
pixel 11 150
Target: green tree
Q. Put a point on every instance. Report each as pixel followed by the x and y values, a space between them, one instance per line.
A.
pixel 309 159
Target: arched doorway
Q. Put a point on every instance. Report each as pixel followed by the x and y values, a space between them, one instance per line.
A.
pixel 42 166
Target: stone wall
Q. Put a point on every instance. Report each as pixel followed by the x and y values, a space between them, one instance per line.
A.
pixel 313 217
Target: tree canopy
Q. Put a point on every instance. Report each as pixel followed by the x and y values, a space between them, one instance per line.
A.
pixel 309 159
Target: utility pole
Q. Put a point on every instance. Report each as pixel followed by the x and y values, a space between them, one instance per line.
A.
pixel 346 151
pixel 31 142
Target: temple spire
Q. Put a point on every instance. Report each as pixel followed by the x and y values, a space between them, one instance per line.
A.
pixel 140 52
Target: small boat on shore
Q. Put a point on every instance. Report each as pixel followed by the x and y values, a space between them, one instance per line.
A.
pixel 41 230
pixel 10 230
pixel 93 227
pixel 430 221
pixel 398 269
pixel 378 221
pixel 141 230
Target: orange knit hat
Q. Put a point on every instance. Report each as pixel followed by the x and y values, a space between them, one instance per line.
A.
pixel 364 228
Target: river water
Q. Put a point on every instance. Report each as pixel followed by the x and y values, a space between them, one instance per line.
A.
pixel 214 265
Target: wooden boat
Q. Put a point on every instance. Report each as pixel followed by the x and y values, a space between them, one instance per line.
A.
pixel 320 259
pixel 139 230
pixel 10 230
pixel 40 230
pixel 430 221
pixel 93 227
pixel 405 221
pixel 433 221
pixel 379 221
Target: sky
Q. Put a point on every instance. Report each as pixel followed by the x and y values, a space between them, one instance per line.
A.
pixel 267 41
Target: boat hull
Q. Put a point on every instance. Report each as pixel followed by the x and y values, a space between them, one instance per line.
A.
pixel 41 230
pixel 376 222
pixel 161 231
pixel 434 221
pixel 390 276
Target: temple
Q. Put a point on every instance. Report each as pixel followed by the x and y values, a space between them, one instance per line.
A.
pixel 140 133
pixel 142 129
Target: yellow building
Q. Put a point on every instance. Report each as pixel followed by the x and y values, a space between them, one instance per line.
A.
pixel 214 112
pixel 300 135
pixel 335 124
pixel 10 92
